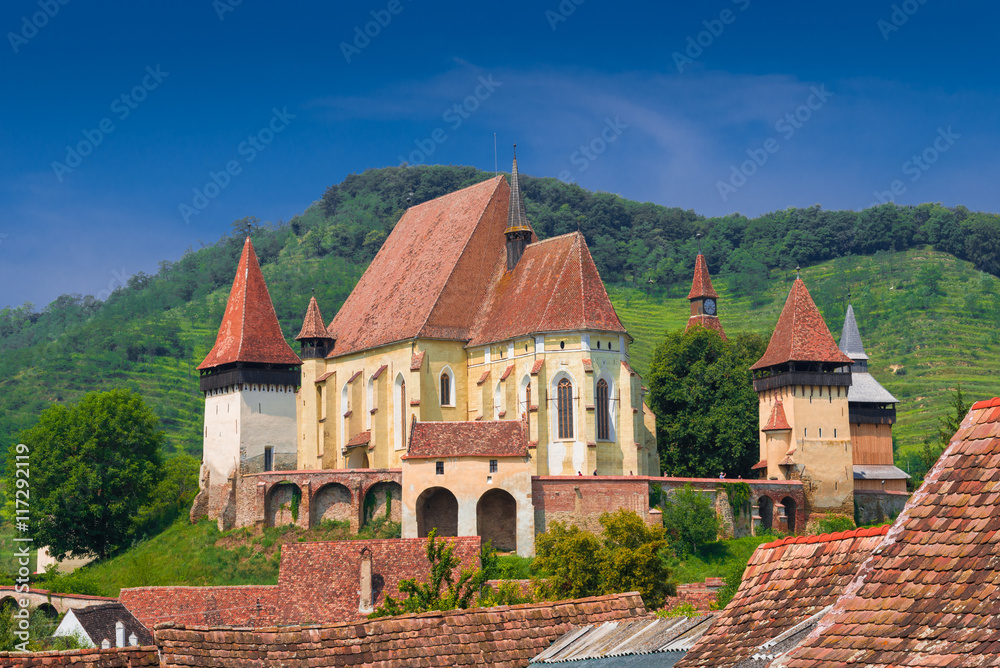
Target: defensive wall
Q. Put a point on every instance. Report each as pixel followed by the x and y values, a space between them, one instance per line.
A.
pixel 45 599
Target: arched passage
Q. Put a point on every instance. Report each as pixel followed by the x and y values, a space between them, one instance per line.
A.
pixel 788 503
pixel 437 508
pixel 358 459
pixel 765 508
pixel 8 603
pixel 383 499
pixel 332 502
pixel 496 520
pixel 48 610
pixel 283 504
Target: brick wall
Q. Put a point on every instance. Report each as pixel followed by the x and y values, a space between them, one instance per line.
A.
pixel 504 637
pixel 126 657
pixel 699 594
pixel 580 500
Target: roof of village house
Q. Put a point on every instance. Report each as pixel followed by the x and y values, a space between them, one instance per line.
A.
pixel 500 637
pixel 701 285
pixel 879 472
pixel 99 621
pixel 554 287
pixel 929 594
pixel 250 331
pixel 485 438
pixel 635 643
pixel 248 605
pixel 786 582
pixel 777 421
pixel 517 217
pixel 850 337
pixel 312 324
pixel 865 389
pixel 431 274
pixel 801 334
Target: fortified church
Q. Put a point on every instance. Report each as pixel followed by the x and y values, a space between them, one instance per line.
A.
pixel 477 381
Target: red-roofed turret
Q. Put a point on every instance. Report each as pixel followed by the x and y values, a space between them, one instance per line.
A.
pixel 314 338
pixel 704 300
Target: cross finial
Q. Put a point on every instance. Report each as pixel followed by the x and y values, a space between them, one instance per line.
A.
pixel 698 237
pixel 848 295
pixel 249 227
pixel 798 273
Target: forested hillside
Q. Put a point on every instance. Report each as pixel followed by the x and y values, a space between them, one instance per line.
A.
pixel 930 316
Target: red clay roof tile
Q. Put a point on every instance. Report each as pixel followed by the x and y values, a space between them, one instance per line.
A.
pixel 249 331
pixel 701 285
pixel 507 371
pixel 537 366
pixel 483 378
pixel 777 421
pixel 364 438
pixel 312 324
pixel 489 438
pixel 417 360
pixel 801 334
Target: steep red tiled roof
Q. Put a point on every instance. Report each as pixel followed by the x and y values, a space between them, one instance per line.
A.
pixel 930 595
pixel 701 286
pixel 431 274
pixel 483 378
pixel 312 324
pixel 488 438
pixel 250 331
pixel 417 360
pixel 364 438
pixel 500 637
pixel 251 605
pixel 506 372
pixel 537 366
pixel 801 334
pixel 708 322
pixel 777 421
pixel 786 582
pixel 554 287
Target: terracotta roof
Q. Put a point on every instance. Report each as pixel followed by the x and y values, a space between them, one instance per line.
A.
pixel 517 217
pixel 379 371
pixel 701 285
pixel 432 273
pixel 250 331
pixel 930 595
pixel 588 365
pixel 762 464
pixel 506 372
pixel 312 324
pixel 537 366
pixel 99 621
pixel 325 376
pixel 489 438
pixel 708 322
pixel 484 377
pixel 786 582
pixel 500 637
pixel 417 360
pixel 555 287
pixel 95 657
pixel 801 334
pixel 777 421
pixel 364 438
pixel 233 606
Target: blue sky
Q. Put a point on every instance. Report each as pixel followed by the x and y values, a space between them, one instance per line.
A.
pixel 730 105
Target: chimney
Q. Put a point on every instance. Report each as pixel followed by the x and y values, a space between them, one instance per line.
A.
pixel 365 603
pixel 105 644
pixel 119 634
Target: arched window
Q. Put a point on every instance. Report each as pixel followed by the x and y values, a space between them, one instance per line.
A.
pixel 402 413
pixel 497 401
pixel 564 403
pixel 398 419
pixel 445 389
pixel 603 414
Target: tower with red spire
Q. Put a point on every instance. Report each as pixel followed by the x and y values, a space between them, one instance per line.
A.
pixel 704 300
pixel 249 378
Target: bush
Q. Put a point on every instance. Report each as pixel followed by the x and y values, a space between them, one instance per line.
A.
pixel 833 523
pixel 690 520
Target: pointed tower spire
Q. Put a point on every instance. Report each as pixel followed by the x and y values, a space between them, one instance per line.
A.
pixel 518 232
pixel 704 300
pixel 314 337
pixel 850 337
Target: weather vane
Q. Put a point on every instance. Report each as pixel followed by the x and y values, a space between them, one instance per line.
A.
pixel 698 237
pixel 798 273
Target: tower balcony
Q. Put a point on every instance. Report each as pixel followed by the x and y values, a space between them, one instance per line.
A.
pixel 214 380
pixel 793 378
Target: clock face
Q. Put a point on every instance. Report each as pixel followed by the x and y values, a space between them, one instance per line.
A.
pixel 709 306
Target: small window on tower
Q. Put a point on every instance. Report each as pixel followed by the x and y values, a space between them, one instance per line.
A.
pixel 493 466
pixel 269 458
pixel 439 468
pixel 821 432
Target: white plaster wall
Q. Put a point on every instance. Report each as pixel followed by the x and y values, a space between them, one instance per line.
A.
pixel 221 449
pixel 70 626
pixel 267 419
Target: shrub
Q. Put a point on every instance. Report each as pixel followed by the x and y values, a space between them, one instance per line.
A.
pixel 690 520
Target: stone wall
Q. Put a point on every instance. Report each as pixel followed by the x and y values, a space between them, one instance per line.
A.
pixel 876 507
pixel 580 500
pixel 125 657
pixel 699 594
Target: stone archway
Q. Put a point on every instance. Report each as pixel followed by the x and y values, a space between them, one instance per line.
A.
pixel 437 508
pixel 332 502
pixel 788 503
pixel 496 520
pixel 383 499
pixel 765 509
pixel 49 611
pixel 358 459
pixel 282 505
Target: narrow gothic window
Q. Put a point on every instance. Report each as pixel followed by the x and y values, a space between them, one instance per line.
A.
pixel 445 389
pixel 269 458
pixel 527 409
pixel 402 413
pixel 564 408
pixel 603 428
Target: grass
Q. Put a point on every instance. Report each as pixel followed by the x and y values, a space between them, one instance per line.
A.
pixel 715 560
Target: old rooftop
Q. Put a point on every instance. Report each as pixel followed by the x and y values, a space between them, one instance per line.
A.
pixel 485 438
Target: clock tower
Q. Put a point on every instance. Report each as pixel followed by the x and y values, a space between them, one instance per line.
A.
pixel 704 300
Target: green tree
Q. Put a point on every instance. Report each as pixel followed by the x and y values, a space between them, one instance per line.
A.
pixel 626 557
pixel 689 520
pixel 173 495
pixel 705 405
pixel 92 465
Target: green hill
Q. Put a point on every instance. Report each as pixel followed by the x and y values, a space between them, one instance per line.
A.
pixel 923 312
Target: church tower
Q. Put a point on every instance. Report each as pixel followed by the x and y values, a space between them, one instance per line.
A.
pixel 315 343
pixel 872 411
pixel 704 300
pixel 249 378
pixel 518 232
pixel 805 429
